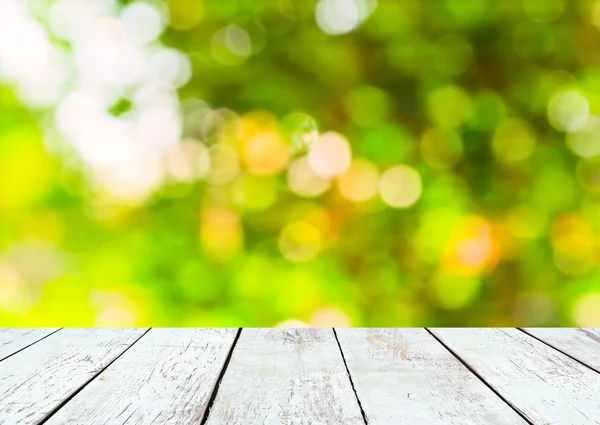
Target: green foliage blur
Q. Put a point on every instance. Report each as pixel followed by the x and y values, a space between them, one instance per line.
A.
pixel 291 163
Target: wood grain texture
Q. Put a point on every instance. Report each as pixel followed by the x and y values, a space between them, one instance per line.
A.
pixel 405 376
pixel 285 377
pixel 166 378
pixel 581 344
pixel 542 383
pixel 36 380
pixel 15 339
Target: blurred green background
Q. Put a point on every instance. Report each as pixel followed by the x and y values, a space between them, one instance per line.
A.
pixel 291 163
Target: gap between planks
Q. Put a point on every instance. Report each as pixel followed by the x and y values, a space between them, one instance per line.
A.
pixel 70 397
pixel 362 412
pixel 213 393
pixel 559 350
pixel 215 390
pixel 29 345
pixel 480 377
pixel 230 355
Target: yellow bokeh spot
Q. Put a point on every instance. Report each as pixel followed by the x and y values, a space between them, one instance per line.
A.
pixel 221 232
pixel 185 15
pixel 323 220
pixel 265 153
pixel 299 242
pixel 572 235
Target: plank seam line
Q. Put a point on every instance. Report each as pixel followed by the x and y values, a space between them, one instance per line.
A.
pixel 89 381
pixel 215 390
pixel 362 411
pixel 27 346
pixel 558 349
pixel 465 364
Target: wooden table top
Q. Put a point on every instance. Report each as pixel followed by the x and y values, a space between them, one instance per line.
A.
pixel 300 376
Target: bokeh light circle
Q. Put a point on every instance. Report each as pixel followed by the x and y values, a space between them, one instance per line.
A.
pixel 585 142
pixel 303 181
pixel 568 110
pixel 299 242
pixel 330 155
pixel 400 186
pixel 360 182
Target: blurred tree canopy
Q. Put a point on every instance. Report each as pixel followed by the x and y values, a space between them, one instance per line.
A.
pixel 322 163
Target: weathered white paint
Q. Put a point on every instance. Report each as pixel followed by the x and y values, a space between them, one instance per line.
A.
pixel 165 378
pixel 544 384
pixel 406 376
pixel 285 377
pixel 15 339
pixel 581 344
pixel 37 379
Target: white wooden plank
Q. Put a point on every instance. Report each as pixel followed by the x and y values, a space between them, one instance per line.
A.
pixel 581 344
pixel 544 384
pixel 15 339
pixel 166 378
pixel 406 376
pixel 36 380
pixel 285 377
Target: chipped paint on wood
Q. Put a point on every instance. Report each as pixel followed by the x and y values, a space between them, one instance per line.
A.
pixel 36 380
pixel 406 376
pixel 298 376
pixel 165 378
pixel 541 382
pixel 15 339
pixel 581 344
pixel 286 377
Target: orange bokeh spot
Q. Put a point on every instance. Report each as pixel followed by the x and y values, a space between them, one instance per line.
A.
pixel 260 144
pixel 265 153
pixel 471 249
